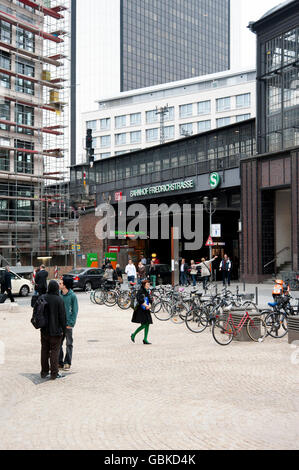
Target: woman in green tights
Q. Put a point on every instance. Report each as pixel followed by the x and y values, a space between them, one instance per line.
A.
pixel 142 312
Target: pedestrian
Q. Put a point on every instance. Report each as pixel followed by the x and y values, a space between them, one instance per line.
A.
pixel 183 272
pixel 119 273
pixel 205 268
pixel 52 334
pixel 71 308
pixel 193 272
pixel 6 284
pixel 131 271
pixel 109 273
pixel 142 313
pixel 41 280
pixel 143 260
pixel 153 273
pixel 225 268
pixel 141 272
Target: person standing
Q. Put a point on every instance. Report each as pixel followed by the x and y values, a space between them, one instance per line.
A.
pixel 205 267
pixel 153 273
pixel 141 272
pixel 193 272
pixel 119 273
pixel 71 307
pixel 131 271
pixel 6 284
pixel 225 268
pixel 183 272
pixel 52 334
pixel 41 280
pixel 142 313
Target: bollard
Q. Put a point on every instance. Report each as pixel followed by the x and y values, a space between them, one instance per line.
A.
pixel 244 287
pixel 256 295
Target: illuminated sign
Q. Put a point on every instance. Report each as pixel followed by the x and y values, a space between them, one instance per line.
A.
pixel 163 188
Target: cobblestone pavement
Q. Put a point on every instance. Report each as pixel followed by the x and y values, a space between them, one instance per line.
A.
pixel 184 392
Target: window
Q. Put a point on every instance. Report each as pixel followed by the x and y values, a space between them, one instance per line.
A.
pixel 5 32
pixel 5 115
pixel 223 104
pixel 24 208
pixel 186 129
pixel 121 152
pixel 151 117
pixel 135 137
pixel 24 116
pixel 223 121
pixel 152 135
pixel 4 80
pixel 105 124
pixel 105 141
pixel 25 40
pixel 169 132
pixel 5 60
pixel 135 119
pixel 4 160
pixel 120 121
pixel 91 125
pixel 204 107
pixel 186 110
pixel 242 117
pixel 25 67
pixel 120 139
pixel 203 126
pixel 243 101
pixel 24 161
pixel 169 116
pixel 105 155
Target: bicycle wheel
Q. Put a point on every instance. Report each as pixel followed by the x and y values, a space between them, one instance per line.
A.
pixel 179 312
pixel 250 306
pixel 91 297
pixel 110 298
pixel 196 321
pixel 99 297
pixel 223 331
pixel 276 324
pixel 256 328
pixel 164 311
pixel 124 300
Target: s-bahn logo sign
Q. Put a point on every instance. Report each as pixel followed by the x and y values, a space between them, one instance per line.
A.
pixel 215 180
pixel 163 188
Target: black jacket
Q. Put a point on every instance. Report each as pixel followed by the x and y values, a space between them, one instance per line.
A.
pixel 55 311
pixel 41 281
pixel 153 270
pixel 6 284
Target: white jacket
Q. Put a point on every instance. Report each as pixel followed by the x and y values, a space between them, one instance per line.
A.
pixel 131 270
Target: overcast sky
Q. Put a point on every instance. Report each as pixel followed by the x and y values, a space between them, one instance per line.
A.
pixel 252 10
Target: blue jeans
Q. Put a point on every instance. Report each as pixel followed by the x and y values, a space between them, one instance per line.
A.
pixel 131 278
pixel 193 279
pixel 69 348
pixel 183 279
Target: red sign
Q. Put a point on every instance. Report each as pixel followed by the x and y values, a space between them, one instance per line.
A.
pixel 210 241
pixel 113 249
pixel 118 196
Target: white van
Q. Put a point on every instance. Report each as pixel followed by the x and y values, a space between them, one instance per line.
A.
pixel 19 285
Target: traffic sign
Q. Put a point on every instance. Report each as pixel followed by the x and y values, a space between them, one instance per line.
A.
pixel 210 241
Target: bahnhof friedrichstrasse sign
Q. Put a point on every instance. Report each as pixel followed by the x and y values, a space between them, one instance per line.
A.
pixel 163 188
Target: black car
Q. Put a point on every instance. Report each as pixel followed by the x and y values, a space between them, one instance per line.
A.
pixel 86 278
pixel 163 273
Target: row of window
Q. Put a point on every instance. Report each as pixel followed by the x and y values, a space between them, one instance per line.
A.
pixel 185 110
pixel 24 39
pixel 24 161
pixel 24 115
pixel 152 135
pixel 23 67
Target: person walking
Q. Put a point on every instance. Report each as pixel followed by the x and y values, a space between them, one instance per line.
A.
pixel 142 312
pixel 119 273
pixel 205 267
pixel 41 280
pixel 6 284
pixel 131 271
pixel 193 272
pixel 153 273
pixel 71 307
pixel 141 272
pixel 183 272
pixel 225 268
pixel 52 334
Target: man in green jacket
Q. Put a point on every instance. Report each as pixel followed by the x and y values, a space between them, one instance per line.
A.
pixel 71 308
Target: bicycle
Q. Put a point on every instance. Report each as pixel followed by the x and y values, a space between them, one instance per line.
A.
pixel 224 329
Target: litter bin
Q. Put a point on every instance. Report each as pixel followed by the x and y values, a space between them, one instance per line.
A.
pixel 237 314
pixel 293 328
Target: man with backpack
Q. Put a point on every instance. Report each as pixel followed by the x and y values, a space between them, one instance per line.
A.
pixel 70 301
pixel 49 311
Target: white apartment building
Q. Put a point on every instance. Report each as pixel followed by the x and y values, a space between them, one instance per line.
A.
pixel 129 121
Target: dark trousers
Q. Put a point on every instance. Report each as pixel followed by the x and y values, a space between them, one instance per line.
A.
pixel 226 277
pixel 9 294
pixel 205 280
pixel 69 348
pixel 50 350
pixel 183 278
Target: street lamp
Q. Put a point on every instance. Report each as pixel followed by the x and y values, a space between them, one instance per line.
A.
pixel 210 207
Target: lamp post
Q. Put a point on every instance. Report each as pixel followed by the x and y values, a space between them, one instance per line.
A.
pixel 210 207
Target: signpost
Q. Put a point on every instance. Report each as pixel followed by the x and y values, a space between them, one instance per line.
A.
pixel 216 230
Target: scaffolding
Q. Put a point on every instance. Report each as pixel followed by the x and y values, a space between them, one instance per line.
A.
pixel 34 134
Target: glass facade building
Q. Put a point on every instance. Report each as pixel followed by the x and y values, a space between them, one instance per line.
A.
pixel 170 40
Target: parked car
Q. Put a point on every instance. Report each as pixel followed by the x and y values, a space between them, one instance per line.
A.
pixel 163 273
pixel 86 278
pixel 19 285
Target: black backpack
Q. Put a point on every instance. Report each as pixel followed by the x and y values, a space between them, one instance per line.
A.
pixel 40 316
